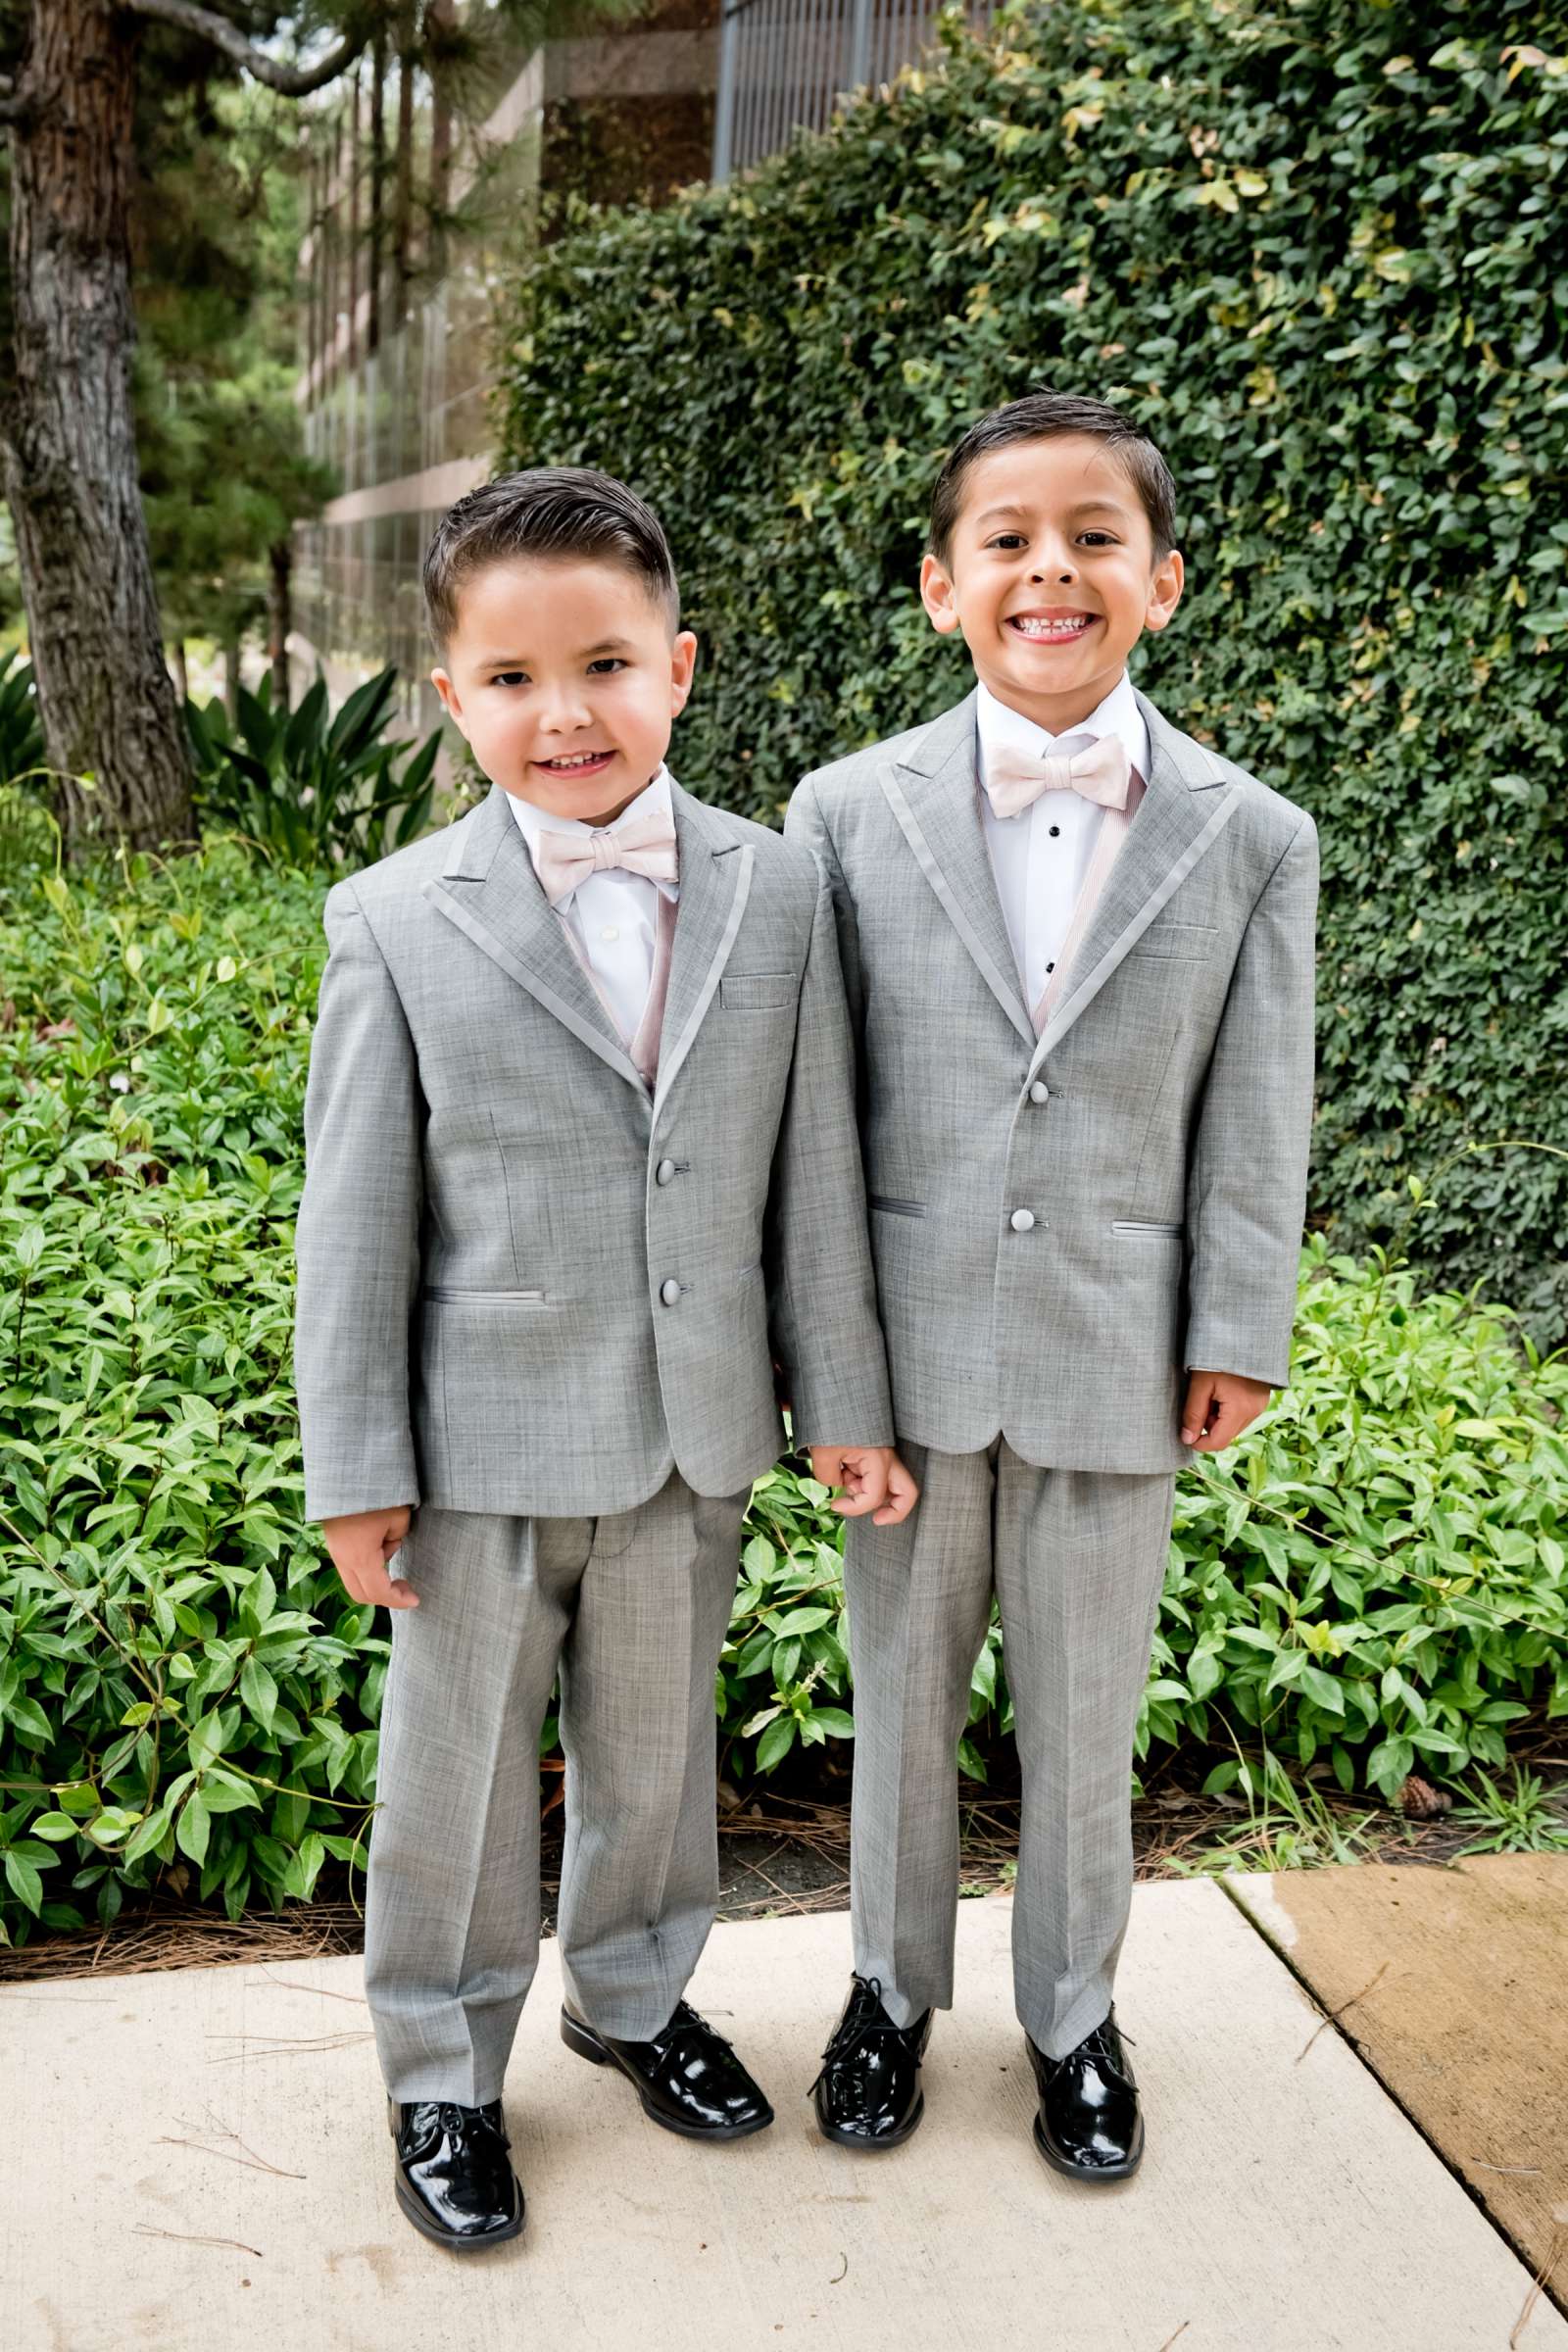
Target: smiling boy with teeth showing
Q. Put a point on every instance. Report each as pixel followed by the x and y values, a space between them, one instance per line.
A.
pixel 570 1190
pixel 1078 947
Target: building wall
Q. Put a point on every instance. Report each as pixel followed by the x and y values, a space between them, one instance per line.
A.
pixel 399 403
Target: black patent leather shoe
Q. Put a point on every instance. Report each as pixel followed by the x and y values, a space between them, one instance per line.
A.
pixel 454 2180
pixel 1089 2124
pixel 868 2093
pixel 687 2078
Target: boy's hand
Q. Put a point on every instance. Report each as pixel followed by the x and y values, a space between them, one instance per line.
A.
pixel 873 1479
pixel 1219 1407
pixel 361 1543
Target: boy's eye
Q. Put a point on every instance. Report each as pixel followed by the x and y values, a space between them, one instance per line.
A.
pixel 510 677
pixel 605 663
pixel 1012 539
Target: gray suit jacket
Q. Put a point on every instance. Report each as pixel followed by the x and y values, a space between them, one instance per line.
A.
pixel 1061 1226
pixel 525 1285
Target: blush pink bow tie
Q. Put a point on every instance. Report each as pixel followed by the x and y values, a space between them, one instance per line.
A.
pixel 1099 770
pixel 563 860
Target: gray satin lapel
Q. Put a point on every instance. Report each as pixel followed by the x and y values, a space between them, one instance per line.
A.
pixel 490 892
pixel 1185 810
pixel 933 794
pixel 715 877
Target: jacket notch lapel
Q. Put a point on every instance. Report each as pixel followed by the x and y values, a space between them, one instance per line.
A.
pixel 1186 806
pixel 933 792
pixel 489 890
pixel 715 880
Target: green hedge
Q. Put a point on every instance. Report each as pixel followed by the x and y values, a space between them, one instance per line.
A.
pixel 1317 250
pixel 1377 1573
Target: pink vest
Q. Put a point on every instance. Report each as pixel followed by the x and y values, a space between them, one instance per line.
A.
pixel 642 1048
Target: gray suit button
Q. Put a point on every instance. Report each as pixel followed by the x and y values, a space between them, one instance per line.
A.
pixel 1022 1220
pixel 669 1290
pixel 1040 1092
pixel 665 1171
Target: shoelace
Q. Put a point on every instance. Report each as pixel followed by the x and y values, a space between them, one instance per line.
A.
pixel 464 2123
pixel 1098 2044
pixel 687 2019
pixel 857 2022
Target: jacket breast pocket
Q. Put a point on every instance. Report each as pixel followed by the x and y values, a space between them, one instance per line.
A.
pixel 756 992
pixel 1180 942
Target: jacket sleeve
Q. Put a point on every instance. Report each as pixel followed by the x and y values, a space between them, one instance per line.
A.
pixel 821 1288
pixel 357 1241
pixel 1246 1182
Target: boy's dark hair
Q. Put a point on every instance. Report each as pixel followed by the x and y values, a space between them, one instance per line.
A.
pixel 560 512
pixel 1040 417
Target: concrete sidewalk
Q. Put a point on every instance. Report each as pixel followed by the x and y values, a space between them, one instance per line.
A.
pixel 197 2161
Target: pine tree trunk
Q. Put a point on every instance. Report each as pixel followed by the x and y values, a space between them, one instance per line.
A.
pixel 439 15
pixel 105 696
pixel 403 187
pixel 281 617
pixel 372 328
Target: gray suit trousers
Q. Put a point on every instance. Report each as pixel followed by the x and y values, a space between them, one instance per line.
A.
pixel 1076 1559
pixel 633 1609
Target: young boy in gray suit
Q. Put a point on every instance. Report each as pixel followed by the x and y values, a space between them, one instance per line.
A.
pixel 1078 947
pixel 570 1193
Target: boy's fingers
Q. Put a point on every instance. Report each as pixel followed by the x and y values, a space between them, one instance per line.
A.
pixel 1196 1411
pixel 349 1581
pixel 901 1496
pixel 382 1592
pixel 863 1493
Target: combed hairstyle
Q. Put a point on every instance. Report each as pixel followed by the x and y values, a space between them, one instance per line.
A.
pixel 550 513
pixel 1041 417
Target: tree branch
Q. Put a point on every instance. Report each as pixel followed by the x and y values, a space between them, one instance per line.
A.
pixel 294 81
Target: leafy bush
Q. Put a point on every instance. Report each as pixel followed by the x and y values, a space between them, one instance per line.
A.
pixel 1314 246
pixel 309 789
pixel 20 729
pixel 1379 1566
pixel 1377 1573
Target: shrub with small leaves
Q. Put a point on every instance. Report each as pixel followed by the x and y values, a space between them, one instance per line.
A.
pixel 1376 1573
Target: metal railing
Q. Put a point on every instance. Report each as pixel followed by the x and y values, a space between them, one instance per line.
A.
pixel 783 64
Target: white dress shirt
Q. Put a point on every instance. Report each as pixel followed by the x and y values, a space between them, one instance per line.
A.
pixel 1041 857
pixel 613 916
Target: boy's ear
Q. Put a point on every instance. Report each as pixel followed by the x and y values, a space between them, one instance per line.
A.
pixel 936 596
pixel 1164 592
pixel 441 680
pixel 682 662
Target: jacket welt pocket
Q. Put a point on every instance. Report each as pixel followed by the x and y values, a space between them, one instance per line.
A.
pixel 1193 943
pixel 755 992
pixel 1157 1233
pixel 895 1209
pixel 445 1296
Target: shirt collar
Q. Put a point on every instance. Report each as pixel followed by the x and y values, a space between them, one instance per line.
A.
pixel 653 800
pixel 1118 715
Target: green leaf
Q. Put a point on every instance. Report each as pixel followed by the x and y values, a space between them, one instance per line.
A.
pixel 835 1721
pixel 775 1744
pixel 56 1826
pixel 259 1692
pixel 193 1827
pixel 24 1881
pixel 1323 1687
